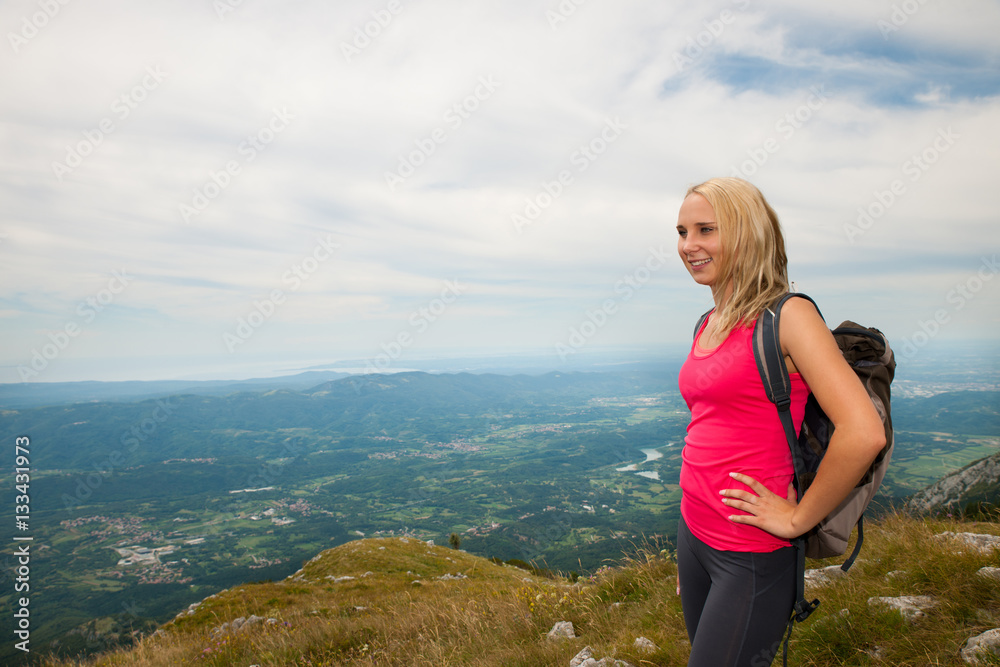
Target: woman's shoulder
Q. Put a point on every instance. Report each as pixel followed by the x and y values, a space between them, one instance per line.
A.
pixel 803 333
pixel 800 311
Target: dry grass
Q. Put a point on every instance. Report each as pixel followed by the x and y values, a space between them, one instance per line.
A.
pixel 499 615
pixel 902 557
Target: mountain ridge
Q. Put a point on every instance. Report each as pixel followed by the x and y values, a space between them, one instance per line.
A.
pixel 978 482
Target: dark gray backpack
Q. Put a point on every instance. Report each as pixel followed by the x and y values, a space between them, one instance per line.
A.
pixel 867 351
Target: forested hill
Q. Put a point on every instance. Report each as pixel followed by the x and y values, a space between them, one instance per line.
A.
pixel 419 408
pixel 971 412
pixel 416 409
pixel 252 424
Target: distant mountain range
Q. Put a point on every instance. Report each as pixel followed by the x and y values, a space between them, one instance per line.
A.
pixel 357 406
pixel 39 394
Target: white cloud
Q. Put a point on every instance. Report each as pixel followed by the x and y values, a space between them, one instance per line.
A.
pixel 745 101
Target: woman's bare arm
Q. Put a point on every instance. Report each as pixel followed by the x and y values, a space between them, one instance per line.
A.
pixel 857 439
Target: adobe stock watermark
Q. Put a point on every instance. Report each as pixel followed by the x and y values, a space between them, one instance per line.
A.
pixel 766 656
pixel 540 539
pixel 121 109
pixel 786 126
pixel 365 35
pixel 581 158
pixel 958 297
pixel 32 25
pixel 426 146
pixel 699 43
pixel 625 288
pixel 267 473
pixel 129 440
pixel 420 320
pixel 439 477
pixel 264 308
pixel 712 370
pixel 914 168
pixel 87 310
pixel 435 481
pixel 120 629
pixel 899 16
pixel 248 150
pixel 562 12
pixel 224 7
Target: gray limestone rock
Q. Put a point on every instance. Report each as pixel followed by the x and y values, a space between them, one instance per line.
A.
pixel 978 541
pixel 912 607
pixel 586 654
pixel 823 575
pixel 981 646
pixel 562 630
pixel 951 491
pixel 645 645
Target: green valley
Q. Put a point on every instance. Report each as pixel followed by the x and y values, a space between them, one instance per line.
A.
pixel 141 509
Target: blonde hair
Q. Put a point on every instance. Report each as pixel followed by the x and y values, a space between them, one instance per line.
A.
pixel 753 262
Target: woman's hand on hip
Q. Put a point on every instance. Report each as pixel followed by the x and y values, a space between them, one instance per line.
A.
pixel 767 510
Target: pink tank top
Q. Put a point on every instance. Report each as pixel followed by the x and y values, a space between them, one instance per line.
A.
pixel 733 428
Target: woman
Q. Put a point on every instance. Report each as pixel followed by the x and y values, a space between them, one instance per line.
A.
pixel 736 566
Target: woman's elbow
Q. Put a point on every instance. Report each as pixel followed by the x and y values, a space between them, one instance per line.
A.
pixel 877 444
pixel 867 435
pixel 874 438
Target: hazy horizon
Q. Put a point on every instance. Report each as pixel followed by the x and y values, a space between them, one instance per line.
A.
pixel 979 357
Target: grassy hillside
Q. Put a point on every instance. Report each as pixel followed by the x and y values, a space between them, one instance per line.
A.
pixel 409 603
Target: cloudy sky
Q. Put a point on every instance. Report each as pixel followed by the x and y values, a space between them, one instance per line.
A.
pixel 231 188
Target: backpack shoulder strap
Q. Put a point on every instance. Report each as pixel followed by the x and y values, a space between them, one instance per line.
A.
pixel 778 386
pixel 701 321
pixel 770 360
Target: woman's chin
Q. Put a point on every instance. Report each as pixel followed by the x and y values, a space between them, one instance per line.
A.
pixel 702 278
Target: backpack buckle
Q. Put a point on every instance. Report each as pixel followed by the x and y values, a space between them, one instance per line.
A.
pixel 803 608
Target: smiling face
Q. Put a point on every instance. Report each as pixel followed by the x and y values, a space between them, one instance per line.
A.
pixel 698 241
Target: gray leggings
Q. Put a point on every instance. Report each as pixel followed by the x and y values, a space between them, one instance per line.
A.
pixel 736 604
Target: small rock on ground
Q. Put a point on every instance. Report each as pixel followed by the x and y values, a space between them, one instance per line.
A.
pixel 912 607
pixel 586 654
pixel 242 624
pixel 645 645
pixel 585 658
pixel 823 575
pixel 981 646
pixel 978 541
pixel 562 630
